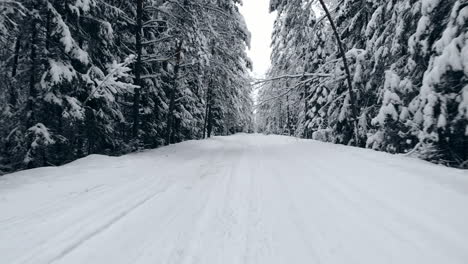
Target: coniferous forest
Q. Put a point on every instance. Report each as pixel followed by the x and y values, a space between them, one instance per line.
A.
pixel 80 77
pixel 234 131
pixel 402 88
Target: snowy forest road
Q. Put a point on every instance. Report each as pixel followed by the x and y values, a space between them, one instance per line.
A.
pixel 238 199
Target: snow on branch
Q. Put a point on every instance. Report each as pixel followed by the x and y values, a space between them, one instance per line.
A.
pixel 109 85
pixel 293 76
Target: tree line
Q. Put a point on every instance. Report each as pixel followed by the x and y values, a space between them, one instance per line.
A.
pixel 80 77
pixel 407 87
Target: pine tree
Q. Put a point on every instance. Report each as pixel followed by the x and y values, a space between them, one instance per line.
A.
pixel 406 60
pixel 109 77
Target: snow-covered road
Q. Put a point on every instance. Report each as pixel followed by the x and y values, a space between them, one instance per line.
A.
pixel 239 199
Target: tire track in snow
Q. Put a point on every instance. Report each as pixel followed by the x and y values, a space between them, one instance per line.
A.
pixel 276 173
pixel 94 225
pixel 377 219
pixel 84 236
pixel 250 200
pixel 168 221
pixel 218 211
pixel 104 226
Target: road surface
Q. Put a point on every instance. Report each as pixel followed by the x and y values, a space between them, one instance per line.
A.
pixel 239 199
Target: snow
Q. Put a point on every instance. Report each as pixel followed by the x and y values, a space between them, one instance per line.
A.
pixel 442 121
pixel 239 199
pixel 42 134
pixel 422 28
pixel 52 98
pixel 110 85
pixel 41 137
pixel 404 115
pixel 372 25
pixel 75 109
pixel 84 5
pixel 374 141
pixel 463 106
pixel 449 57
pixel 429 5
pixel 390 99
pixel 68 42
pixel 60 72
pixel 428 111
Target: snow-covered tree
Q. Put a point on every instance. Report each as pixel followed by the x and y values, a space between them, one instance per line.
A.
pixel 407 61
pixel 112 76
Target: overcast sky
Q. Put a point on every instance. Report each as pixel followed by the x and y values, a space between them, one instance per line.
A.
pixel 260 24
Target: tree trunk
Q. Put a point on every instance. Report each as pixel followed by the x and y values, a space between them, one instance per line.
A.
pixel 172 95
pixel 14 70
pixel 14 67
pixel 138 67
pixel 32 74
pixel 306 110
pixel 288 116
pixel 352 99
pixel 205 122
pixel 208 106
pixel 48 33
pixel 209 128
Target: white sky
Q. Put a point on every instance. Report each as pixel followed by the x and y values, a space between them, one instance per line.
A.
pixel 260 24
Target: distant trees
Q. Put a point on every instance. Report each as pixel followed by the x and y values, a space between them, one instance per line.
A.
pixel 109 77
pixel 408 63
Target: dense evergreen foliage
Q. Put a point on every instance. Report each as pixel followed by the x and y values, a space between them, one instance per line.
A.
pixel 79 77
pixel 409 66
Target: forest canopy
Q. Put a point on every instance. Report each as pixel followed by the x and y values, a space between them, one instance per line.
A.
pixel 80 77
pixel 408 61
